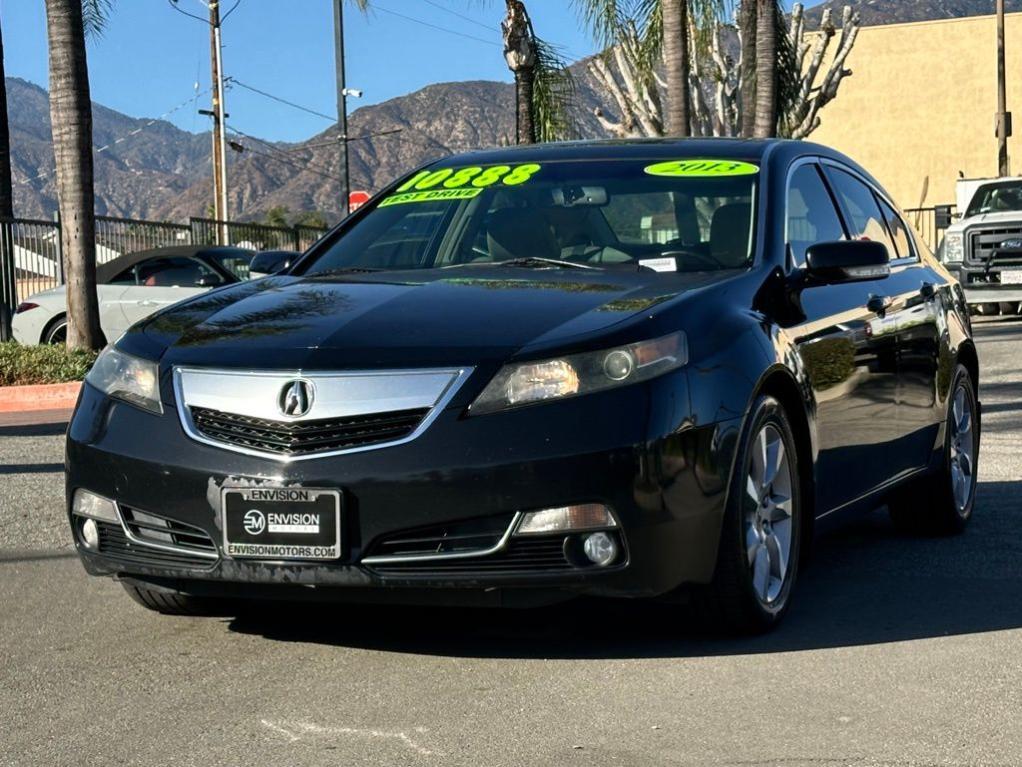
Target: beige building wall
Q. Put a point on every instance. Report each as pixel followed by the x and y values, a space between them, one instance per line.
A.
pixel 922 103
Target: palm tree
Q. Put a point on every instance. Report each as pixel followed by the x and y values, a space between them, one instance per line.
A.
pixel 766 69
pixel 676 64
pixel 665 26
pixel 71 122
pixel 748 29
pixel 7 293
pixel 544 89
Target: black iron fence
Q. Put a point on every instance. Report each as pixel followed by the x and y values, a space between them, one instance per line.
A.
pixel 930 223
pixel 30 256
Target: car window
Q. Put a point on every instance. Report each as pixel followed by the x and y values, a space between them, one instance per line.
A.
pixel 127 277
pixel 899 232
pixel 234 261
pixel 812 217
pixel 603 214
pixel 178 272
pixel 860 204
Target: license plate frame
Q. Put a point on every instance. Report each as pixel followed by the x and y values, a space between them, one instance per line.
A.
pixel 284 524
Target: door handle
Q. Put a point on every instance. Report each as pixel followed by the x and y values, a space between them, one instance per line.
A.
pixel 879 304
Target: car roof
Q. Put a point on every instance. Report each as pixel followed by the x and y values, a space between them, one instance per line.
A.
pixel 639 149
pixel 109 270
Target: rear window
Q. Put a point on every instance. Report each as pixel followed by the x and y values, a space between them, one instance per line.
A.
pixel 682 216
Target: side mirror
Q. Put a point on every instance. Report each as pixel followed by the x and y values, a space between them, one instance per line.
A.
pixel 210 281
pixel 833 263
pixel 270 262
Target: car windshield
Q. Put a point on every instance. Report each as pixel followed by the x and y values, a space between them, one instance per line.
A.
pixel 235 261
pixel 679 216
pixel 994 198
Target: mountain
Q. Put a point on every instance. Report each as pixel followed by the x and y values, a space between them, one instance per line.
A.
pixel 880 12
pixel 156 171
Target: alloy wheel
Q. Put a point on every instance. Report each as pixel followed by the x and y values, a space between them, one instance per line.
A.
pixel 963 449
pixel 768 515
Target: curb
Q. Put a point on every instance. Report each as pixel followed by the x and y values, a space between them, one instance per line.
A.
pixel 15 399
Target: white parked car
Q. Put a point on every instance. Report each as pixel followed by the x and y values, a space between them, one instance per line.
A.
pixel 132 287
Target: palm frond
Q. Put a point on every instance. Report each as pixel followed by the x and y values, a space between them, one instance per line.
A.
pixel 604 18
pixel 95 14
pixel 554 94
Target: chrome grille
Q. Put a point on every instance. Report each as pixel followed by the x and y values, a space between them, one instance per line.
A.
pixel 306 437
pixel 984 244
pixel 471 536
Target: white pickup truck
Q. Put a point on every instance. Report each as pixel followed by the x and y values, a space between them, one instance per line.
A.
pixel 984 246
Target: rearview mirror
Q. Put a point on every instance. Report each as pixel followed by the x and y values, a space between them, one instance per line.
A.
pixel 270 262
pixel 847 261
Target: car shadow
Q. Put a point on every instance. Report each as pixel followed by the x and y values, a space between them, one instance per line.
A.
pixel 867 584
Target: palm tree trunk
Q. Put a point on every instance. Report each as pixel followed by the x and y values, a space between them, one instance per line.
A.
pixel 676 62
pixel 747 25
pixel 8 294
pixel 766 69
pixel 71 121
pixel 525 118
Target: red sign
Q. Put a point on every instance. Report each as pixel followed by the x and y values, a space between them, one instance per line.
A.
pixel 357 199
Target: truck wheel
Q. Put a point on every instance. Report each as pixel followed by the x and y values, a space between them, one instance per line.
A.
pixel 942 503
pixel 988 310
pixel 1009 308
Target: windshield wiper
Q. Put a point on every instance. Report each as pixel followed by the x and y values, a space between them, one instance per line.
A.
pixel 534 262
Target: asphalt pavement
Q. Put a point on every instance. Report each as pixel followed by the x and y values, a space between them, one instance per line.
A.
pixel 898 651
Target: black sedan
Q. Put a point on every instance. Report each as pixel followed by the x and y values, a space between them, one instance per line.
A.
pixel 619 368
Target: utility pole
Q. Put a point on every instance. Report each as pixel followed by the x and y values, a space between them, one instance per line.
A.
pixel 1003 115
pixel 219 128
pixel 342 103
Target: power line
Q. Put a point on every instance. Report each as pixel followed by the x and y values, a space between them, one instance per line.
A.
pixel 414 20
pixel 459 15
pixel 287 160
pixel 235 81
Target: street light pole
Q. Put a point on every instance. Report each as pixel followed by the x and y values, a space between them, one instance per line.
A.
pixel 342 103
pixel 1003 115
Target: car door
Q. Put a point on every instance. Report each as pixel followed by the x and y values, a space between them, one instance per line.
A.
pixel 908 308
pixel 163 281
pixel 849 352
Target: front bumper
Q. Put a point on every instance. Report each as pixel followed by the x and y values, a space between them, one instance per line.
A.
pixel 636 449
pixel 979 291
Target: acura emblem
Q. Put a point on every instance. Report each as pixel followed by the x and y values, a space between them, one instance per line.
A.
pixel 296 399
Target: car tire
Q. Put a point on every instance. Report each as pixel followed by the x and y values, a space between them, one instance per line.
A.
pixel 170 602
pixel 754 577
pixel 1009 308
pixel 55 332
pixel 940 504
pixel 988 310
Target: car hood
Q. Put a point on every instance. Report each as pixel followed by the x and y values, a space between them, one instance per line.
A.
pixel 436 317
pixel 1003 217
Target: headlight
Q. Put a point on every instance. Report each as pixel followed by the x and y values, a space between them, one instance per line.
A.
pixel 129 378
pixel 953 248
pixel 529 382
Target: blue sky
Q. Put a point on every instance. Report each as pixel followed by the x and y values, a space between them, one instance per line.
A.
pixel 151 57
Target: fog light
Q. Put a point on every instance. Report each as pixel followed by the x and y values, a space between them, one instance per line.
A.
pixel 585 516
pixel 88 504
pixel 600 548
pixel 90 534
